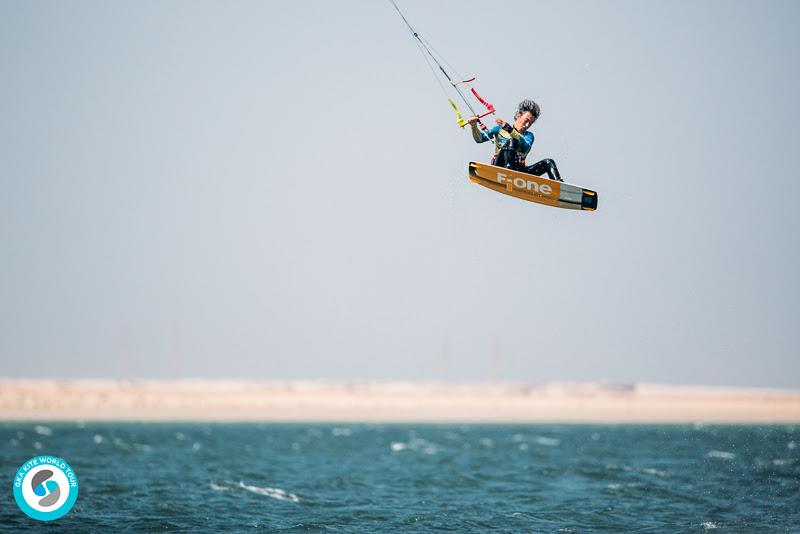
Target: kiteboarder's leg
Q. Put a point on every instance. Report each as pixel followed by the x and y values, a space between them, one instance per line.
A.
pixel 546 166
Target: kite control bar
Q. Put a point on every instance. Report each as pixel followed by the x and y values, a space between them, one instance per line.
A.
pixel 489 108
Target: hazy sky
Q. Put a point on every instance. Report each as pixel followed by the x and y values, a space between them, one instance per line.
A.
pixel 279 190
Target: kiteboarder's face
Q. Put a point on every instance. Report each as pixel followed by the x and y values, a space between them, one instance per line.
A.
pixel 523 121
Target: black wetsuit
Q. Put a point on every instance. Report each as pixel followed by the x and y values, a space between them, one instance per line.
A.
pixel 511 148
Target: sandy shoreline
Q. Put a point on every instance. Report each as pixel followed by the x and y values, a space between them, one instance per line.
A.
pixel 215 400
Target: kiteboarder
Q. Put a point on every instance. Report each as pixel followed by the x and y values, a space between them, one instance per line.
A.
pixel 513 142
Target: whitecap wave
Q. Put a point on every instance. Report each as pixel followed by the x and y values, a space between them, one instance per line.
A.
pixel 416 444
pixel 220 487
pixel 654 471
pixel 275 493
pixel 548 442
pixel 615 467
pixel 709 525
pixel 43 430
pixel 618 486
pixel 722 455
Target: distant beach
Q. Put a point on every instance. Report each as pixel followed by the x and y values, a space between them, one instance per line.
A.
pixel 307 401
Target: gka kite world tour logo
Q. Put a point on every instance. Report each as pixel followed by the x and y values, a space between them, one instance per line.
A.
pixel 45 487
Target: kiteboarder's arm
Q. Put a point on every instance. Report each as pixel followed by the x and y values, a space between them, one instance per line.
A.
pixel 481 135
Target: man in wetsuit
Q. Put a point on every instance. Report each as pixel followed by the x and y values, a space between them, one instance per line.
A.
pixel 513 142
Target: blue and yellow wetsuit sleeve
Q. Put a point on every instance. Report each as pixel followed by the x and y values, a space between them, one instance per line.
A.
pixel 481 136
pixel 525 141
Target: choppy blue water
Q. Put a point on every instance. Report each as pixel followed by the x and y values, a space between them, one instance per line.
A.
pixel 414 478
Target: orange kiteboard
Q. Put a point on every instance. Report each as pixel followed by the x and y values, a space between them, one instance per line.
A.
pixel 532 188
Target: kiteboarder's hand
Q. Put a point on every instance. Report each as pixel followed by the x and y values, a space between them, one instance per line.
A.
pixel 473 120
pixel 501 123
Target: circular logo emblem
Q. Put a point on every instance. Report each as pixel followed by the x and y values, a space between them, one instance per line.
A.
pixel 45 487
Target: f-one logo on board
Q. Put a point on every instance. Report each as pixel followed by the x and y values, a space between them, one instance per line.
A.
pixel 527 185
pixel 45 487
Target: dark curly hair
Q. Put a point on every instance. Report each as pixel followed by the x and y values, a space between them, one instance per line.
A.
pixel 528 105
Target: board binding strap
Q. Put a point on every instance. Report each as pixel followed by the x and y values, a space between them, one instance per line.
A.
pixel 532 188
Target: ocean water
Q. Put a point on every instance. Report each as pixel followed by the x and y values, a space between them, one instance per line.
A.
pixel 369 478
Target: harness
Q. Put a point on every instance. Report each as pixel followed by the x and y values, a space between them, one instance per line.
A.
pixel 508 152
